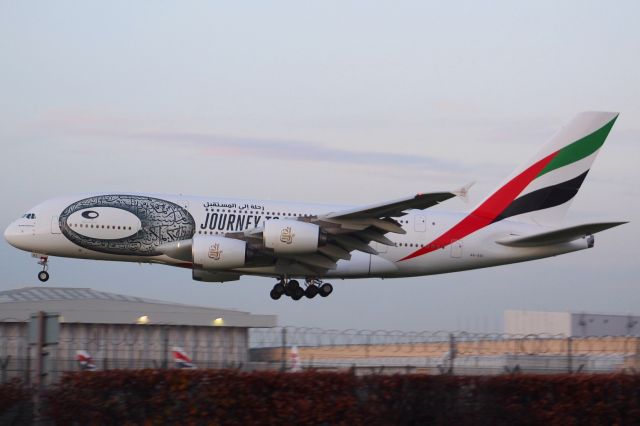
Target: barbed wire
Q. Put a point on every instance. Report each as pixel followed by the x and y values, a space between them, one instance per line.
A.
pixel 324 343
pixel 467 343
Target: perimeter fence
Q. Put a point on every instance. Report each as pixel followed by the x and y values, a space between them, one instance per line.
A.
pixel 299 348
pixel 457 352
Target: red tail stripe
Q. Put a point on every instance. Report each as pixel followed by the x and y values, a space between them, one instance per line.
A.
pixel 178 356
pixel 486 212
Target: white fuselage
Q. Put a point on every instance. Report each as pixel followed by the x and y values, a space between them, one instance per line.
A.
pixel 40 232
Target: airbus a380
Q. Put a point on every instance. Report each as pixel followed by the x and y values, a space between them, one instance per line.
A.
pixel 222 239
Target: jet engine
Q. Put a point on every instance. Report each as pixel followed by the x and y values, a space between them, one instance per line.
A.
pixel 211 252
pixel 292 236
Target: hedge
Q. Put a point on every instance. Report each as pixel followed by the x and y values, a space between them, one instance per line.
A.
pixel 225 397
pixel 15 403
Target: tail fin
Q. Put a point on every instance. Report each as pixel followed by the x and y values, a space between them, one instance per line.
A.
pixel 85 361
pixel 541 191
pixel 181 359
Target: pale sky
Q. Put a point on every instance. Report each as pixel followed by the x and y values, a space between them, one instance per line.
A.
pixel 347 102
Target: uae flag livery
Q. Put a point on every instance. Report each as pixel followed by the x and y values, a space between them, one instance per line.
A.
pixel 541 190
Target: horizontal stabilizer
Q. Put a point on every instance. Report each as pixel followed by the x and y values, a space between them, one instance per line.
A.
pixel 558 236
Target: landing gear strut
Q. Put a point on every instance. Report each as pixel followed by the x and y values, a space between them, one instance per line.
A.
pixel 43 275
pixel 293 289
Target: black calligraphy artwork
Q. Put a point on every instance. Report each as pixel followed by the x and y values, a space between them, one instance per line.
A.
pixel 162 222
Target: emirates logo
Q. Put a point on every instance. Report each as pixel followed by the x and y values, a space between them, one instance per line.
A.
pixel 286 235
pixel 215 252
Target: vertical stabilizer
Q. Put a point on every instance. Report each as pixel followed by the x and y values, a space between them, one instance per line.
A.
pixel 541 191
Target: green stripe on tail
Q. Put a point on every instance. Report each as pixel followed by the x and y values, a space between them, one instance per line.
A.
pixel 579 149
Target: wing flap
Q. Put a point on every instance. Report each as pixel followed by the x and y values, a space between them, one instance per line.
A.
pixel 558 236
pixel 334 252
pixel 373 235
pixel 350 243
pixel 354 225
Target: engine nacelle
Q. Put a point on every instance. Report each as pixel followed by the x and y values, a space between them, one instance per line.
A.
pixel 292 236
pixel 215 253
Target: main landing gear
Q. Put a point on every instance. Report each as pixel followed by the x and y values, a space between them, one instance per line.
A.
pixel 293 289
pixel 44 262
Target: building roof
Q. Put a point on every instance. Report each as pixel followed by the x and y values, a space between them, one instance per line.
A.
pixel 86 305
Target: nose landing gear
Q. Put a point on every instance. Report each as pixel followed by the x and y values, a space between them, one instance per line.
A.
pixel 44 262
pixel 293 289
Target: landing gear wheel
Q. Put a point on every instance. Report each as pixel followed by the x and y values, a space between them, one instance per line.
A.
pixel 297 293
pixel 326 289
pixel 290 287
pixel 311 291
pixel 275 295
pixel 279 288
pixel 44 262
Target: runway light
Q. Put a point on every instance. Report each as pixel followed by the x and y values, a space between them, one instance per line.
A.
pixel 143 319
pixel 218 321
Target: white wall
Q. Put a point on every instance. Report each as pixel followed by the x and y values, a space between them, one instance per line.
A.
pixel 537 322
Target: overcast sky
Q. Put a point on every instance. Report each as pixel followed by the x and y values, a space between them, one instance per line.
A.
pixel 347 102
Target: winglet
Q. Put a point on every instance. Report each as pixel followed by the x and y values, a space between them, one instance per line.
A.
pixel 463 192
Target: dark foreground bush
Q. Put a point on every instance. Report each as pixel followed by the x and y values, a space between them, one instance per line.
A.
pixel 15 403
pixel 202 397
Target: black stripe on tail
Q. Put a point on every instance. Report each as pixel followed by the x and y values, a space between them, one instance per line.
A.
pixel 543 198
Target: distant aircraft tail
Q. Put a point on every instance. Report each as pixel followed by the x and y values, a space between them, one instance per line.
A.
pixel 542 189
pixel 181 359
pixel 85 361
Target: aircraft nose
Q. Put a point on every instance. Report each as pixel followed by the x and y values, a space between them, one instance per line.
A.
pixel 13 235
pixel 9 234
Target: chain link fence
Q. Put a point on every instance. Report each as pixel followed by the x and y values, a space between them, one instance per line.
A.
pixel 456 352
pixel 295 348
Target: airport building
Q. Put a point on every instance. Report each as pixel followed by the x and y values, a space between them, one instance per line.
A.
pixel 570 324
pixel 121 331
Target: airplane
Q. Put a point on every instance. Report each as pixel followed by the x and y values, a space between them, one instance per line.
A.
pixel 222 239
pixel 85 361
pixel 181 359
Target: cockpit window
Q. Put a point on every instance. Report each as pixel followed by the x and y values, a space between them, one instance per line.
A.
pixel 29 216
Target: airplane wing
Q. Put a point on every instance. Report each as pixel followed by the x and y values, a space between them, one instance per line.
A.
pixel 354 229
pixel 558 236
pixel 345 231
pixel 393 208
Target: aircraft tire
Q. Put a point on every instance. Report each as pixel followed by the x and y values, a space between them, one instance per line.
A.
pixel 297 293
pixel 326 289
pixel 290 287
pixel 311 291
pixel 43 276
pixel 279 288
pixel 275 295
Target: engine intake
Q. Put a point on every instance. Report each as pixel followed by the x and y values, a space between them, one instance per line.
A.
pixel 292 236
pixel 215 253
